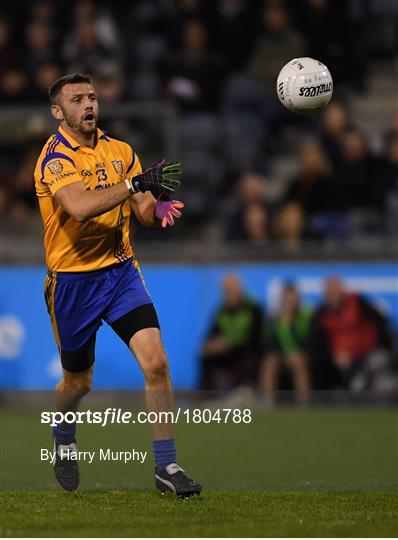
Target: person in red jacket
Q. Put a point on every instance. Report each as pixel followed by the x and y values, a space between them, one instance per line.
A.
pixel 346 329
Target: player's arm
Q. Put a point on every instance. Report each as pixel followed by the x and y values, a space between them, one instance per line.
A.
pixel 82 204
pixel 143 206
pixel 59 172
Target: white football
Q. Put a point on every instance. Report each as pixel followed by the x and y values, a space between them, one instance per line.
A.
pixel 304 85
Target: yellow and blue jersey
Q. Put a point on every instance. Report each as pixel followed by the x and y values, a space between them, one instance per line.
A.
pixel 101 241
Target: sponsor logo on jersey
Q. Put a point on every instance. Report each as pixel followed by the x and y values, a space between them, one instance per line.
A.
pixel 55 166
pixel 86 172
pixel 65 175
pixel 118 166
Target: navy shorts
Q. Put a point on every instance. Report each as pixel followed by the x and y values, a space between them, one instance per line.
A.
pixel 78 302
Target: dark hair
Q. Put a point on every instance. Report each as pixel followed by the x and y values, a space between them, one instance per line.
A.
pixel 57 85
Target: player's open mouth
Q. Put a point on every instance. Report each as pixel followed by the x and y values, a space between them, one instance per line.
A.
pixel 89 117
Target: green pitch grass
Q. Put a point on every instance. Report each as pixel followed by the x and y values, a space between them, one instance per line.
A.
pixel 288 473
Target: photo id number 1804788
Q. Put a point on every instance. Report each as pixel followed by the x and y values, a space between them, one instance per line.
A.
pixel 219 416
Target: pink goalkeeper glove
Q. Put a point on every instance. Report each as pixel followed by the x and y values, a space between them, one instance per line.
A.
pixel 166 211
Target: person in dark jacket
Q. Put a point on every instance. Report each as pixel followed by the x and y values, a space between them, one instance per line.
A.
pixel 233 347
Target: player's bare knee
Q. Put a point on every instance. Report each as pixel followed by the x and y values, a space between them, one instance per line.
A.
pixel 157 369
pixel 78 384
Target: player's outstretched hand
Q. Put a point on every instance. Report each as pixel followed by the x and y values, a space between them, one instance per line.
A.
pixel 166 211
pixel 163 176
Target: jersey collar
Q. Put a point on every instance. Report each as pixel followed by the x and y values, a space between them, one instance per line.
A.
pixel 70 142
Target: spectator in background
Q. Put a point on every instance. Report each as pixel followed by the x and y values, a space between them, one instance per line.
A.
pixel 287 339
pixel 183 12
pixel 335 121
pixel 290 225
pixel 93 43
pixel 389 179
pixel 233 347
pixel 389 165
pixel 43 76
pixel 312 185
pixel 13 86
pixel 347 332
pixel 43 11
pixel 104 23
pixel 40 44
pixel 4 200
pixel 109 84
pixel 276 45
pixel 5 185
pixel 251 195
pixel 194 76
pixel 356 175
pixel 329 29
pixel 24 200
pixel 255 225
pixel 232 31
pixel 9 54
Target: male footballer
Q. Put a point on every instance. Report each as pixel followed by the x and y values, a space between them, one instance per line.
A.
pixel 88 185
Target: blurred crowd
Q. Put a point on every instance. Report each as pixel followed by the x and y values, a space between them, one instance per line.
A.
pixel 217 61
pixel 343 342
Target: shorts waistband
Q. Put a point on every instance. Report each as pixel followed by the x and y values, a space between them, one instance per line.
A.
pixel 71 276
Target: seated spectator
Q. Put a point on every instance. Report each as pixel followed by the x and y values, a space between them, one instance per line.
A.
pixel 9 53
pixel 355 179
pixel 335 121
pixel 4 201
pixel 389 165
pixel 287 336
pixel 290 225
pixel 255 225
pixel 389 179
pixel 346 332
pixel 250 194
pixel 109 84
pixel 88 49
pixel 311 186
pixel 42 78
pixel 13 86
pixel 277 44
pixel 194 76
pixel 24 199
pixel 40 44
pixel 233 347
pixel 232 31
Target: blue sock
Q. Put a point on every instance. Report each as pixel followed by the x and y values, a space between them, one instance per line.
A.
pixel 164 453
pixel 65 433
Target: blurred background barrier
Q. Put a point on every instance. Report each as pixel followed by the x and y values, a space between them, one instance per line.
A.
pixel 186 298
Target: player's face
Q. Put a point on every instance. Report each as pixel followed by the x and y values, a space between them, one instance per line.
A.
pixel 79 106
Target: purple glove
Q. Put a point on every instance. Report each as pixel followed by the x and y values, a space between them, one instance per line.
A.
pixel 165 210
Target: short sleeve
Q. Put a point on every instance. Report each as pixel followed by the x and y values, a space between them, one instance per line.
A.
pixel 58 170
pixel 134 165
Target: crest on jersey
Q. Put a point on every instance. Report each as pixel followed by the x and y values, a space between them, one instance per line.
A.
pixel 118 166
pixel 55 166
